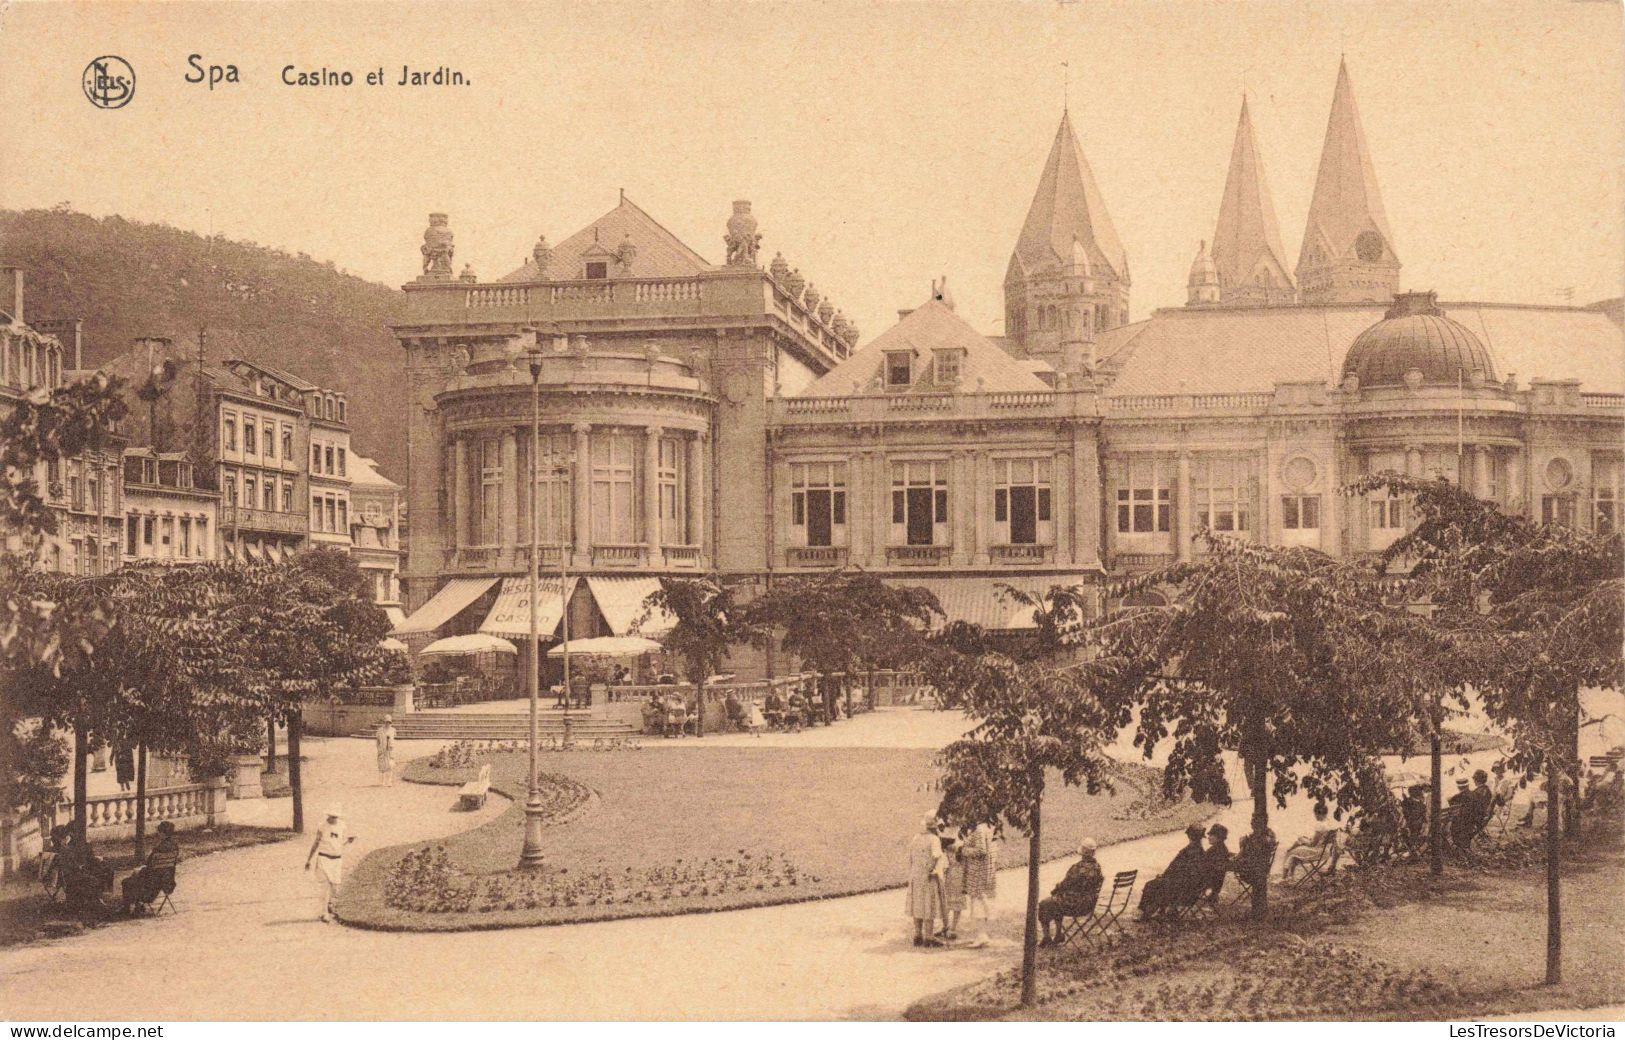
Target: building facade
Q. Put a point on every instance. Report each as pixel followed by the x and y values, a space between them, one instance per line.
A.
pixel 167 517
pixel 375 532
pixel 723 419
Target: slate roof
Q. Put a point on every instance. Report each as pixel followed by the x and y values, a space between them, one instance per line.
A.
pixel 1222 350
pixel 660 253
pixel 1068 210
pixel 984 367
pixel 1247 235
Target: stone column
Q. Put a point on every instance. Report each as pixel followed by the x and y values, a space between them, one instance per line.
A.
pixel 857 514
pixel 963 492
pixel 1331 531
pixel 459 491
pixel 509 496
pixel 1481 470
pixel 1063 506
pixel 696 489
pixel 1182 508
pixel 1087 492
pixel 581 489
pixel 1413 461
pixel 881 468
pixel 984 507
pixel 1517 498
pixel 651 492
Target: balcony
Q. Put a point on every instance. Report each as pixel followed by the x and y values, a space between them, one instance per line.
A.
pixel 682 555
pixel 493 558
pixel 619 555
pixel 244 518
pixel 1140 561
pixel 881 408
pixel 816 555
pixel 1022 554
pixel 918 555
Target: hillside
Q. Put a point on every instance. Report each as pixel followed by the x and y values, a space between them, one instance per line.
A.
pixel 127 279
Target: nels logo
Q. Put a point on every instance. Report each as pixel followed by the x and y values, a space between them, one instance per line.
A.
pixel 109 82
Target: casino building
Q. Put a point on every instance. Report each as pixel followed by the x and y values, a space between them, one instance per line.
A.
pixel 726 418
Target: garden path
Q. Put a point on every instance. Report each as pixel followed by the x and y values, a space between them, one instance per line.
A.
pixel 246 945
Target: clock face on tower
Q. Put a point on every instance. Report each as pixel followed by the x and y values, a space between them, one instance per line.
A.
pixel 1368 247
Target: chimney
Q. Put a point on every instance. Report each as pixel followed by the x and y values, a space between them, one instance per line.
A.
pixel 11 293
pixel 70 333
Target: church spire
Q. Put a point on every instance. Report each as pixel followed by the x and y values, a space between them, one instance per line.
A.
pixel 1068 208
pixel 1348 252
pixel 1247 244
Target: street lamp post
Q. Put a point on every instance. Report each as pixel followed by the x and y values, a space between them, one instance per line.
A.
pixel 531 854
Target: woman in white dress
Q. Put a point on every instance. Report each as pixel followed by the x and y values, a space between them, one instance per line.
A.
pixel 925 869
pixel 328 852
pixel 386 751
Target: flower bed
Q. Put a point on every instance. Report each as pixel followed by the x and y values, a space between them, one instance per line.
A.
pixel 460 754
pixel 425 881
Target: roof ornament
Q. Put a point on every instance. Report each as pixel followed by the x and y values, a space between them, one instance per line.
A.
pixel 742 240
pixel 826 312
pixel 779 269
pixel 940 293
pixel 626 253
pixel 541 254
pixel 795 283
pixel 811 297
pixel 437 248
pixel 468 274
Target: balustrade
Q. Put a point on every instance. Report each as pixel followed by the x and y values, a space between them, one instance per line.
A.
pixel 682 555
pixel 1021 553
pixel 817 555
pixel 919 555
pixel 618 555
pixel 189 805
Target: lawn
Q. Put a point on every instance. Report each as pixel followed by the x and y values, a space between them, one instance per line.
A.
pixel 1385 944
pixel 829 822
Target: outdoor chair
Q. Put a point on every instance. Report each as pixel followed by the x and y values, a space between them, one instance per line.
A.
pixel 1100 927
pixel 1321 867
pixel 50 877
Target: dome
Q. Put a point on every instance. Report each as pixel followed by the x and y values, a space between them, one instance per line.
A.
pixel 1416 336
pixel 1203 270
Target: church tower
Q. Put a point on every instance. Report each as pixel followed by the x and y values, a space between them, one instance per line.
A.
pixel 1068 278
pixel 1348 252
pixel 1247 256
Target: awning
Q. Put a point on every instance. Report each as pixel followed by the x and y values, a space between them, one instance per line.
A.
pixel 273 552
pixel 444 605
pixel 477 643
pixel 621 602
pixel 609 646
pixel 979 600
pixel 510 615
pixel 254 551
pixel 397 617
pixel 391 644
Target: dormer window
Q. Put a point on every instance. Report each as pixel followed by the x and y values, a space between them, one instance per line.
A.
pixel 597 269
pixel 899 368
pixel 947 366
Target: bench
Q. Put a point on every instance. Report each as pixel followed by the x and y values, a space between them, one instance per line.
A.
pixel 472 794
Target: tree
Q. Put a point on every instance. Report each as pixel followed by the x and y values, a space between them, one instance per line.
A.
pixel 708 624
pixel 1033 713
pixel 843 622
pixel 1274 654
pixel 1538 612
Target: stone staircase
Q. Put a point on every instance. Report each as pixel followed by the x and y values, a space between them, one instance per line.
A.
pixel 458 725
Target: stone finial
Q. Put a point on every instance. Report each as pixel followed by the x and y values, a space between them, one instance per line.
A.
pixel 437 247
pixel 795 283
pixel 840 325
pixel 468 274
pixel 626 253
pixel 779 268
pixel 811 297
pixel 541 254
pixel 826 311
pixel 742 240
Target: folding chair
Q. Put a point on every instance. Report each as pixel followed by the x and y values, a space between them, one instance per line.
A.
pixel 1322 868
pixel 1097 928
pixel 166 901
pixel 50 878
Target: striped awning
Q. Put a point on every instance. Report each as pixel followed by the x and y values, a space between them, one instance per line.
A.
pixel 510 615
pixel 621 601
pixel 255 552
pixel 452 599
pixel 980 602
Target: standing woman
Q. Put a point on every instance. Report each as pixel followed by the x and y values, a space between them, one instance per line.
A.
pixel 951 884
pixel 124 766
pixel 924 869
pixel 981 871
pixel 328 852
pixel 386 751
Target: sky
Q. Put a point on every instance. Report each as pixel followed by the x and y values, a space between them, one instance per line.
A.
pixel 882 144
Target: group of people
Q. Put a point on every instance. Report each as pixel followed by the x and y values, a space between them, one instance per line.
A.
pixel 949 872
pixel 1195 873
pixel 72 865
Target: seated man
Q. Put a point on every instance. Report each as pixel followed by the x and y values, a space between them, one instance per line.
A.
pixel 1414 808
pixel 84 876
pixel 795 712
pixel 1074 896
pixel 1180 884
pixel 773 709
pixel 1312 848
pixel 1217 862
pixel 145 885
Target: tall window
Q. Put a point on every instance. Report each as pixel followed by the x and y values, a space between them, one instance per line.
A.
pixel 287 496
pixel 250 436
pixel 332 514
pixel 552 490
pixel 899 368
pixel 268 495
pixel 202 537
pixel 230 496
pixel 146 533
pixel 919 503
pixel 1144 498
pixel 344 517
pixel 186 536
pixel 614 487
pixel 250 499
pixel 315 457
pixel 1557 507
pixel 341 462
pixel 287 443
pixel 818 502
pixel 669 476
pixel 130 524
pixel 228 431
pixel 270 439
pixel 1605 493
pixel 315 512
pixel 327 457
pixel 946 365
pixel 1021 500
pixel 490 490
pixel 1300 512
pixel 1223 490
